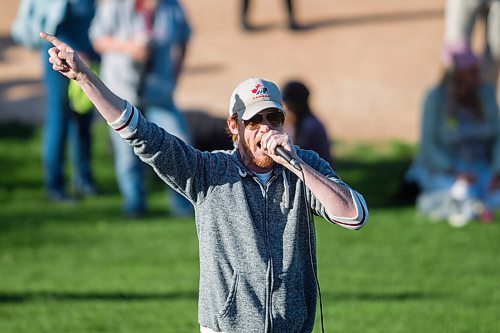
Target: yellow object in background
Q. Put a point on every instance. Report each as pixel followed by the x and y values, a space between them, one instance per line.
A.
pixel 78 101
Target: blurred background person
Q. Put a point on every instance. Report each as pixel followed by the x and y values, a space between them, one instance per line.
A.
pixel 143 45
pixel 69 20
pixel 292 23
pixel 460 19
pixel 305 129
pixel 458 165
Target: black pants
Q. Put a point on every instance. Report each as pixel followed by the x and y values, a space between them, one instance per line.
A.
pixel 246 5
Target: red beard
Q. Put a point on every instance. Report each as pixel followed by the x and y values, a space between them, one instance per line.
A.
pixel 262 162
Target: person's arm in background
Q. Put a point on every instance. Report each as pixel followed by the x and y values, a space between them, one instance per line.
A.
pixel 178 57
pixel 137 49
pixel 180 51
pixel 103 29
pixel 433 154
pixel 67 62
pixel 492 112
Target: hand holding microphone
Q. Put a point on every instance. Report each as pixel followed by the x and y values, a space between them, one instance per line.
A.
pixel 276 141
pixel 286 155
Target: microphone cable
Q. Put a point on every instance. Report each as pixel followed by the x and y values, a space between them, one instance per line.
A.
pixel 286 155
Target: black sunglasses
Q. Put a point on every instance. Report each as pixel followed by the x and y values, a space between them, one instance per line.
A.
pixel 274 119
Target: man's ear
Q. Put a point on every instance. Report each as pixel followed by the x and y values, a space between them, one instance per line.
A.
pixel 232 125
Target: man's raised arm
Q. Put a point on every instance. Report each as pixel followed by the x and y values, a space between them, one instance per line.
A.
pixel 67 62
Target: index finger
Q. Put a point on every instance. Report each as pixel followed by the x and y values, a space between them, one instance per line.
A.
pixel 50 38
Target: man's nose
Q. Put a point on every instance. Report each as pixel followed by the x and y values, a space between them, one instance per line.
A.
pixel 265 126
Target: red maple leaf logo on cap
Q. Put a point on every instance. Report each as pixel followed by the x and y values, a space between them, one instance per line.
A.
pixel 256 88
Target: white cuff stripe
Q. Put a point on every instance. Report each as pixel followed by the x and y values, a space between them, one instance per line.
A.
pixel 361 213
pixel 127 122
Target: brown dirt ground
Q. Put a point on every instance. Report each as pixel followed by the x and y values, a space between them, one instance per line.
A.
pixel 367 62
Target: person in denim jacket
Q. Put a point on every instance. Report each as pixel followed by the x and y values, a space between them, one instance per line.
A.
pixel 458 164
pixel 143 44
pixel 69 20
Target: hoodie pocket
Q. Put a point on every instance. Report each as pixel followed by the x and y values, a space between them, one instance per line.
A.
pixel 230 297
pixel 289 302
pixel 244 308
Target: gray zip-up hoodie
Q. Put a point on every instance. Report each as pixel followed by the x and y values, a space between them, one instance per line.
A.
pixel 256 271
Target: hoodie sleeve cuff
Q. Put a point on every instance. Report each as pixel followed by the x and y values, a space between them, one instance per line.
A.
pixel 127 122
pixel 357 221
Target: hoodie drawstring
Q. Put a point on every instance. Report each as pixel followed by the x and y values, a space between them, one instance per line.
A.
pixel 242 173
pixel 286 192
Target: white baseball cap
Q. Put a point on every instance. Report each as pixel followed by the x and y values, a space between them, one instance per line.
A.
pixel 254 95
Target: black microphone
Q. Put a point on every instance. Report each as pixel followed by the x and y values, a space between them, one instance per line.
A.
pixel 286 155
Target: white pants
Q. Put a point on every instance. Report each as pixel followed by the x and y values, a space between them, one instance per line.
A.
pixel 460 17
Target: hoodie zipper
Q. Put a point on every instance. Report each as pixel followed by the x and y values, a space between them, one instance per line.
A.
pixel 270 275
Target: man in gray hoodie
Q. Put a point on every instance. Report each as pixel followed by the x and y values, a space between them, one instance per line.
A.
pixel 252 207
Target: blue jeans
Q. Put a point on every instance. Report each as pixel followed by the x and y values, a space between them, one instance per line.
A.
pixel 61 124
pixel 129 168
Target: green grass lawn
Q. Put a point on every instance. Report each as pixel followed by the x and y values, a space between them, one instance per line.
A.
pixel 84 268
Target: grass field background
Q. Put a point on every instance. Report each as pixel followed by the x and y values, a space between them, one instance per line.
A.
pixel 85 268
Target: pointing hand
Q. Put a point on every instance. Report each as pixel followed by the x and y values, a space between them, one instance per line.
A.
pixel 64 59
